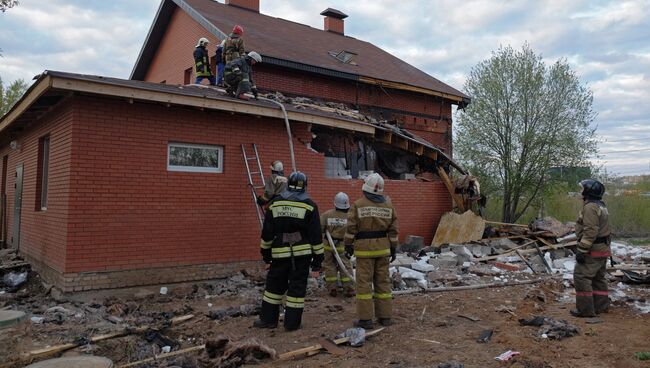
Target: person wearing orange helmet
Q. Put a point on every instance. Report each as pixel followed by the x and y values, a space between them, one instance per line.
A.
pixel 233 47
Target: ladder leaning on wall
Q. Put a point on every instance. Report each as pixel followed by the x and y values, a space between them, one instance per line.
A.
pixel 252 177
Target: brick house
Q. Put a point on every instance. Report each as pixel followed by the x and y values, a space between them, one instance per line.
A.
pixel 109 182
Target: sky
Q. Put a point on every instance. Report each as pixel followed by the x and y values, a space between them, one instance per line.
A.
pixel 607 43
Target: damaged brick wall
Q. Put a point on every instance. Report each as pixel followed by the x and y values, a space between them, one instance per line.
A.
pixel 132 218
pixel 427 116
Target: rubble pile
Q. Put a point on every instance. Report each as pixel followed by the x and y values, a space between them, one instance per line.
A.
pixel 510 253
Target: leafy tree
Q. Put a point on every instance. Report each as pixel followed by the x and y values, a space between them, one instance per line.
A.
pixel 10 95
pixel 525 118
pixel 6 4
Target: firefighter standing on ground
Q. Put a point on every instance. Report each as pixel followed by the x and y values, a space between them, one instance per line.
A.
pixel 372 236
pixel 238 75
pixel 592 230
pixel 291 244
pixel 202 62
pixel 274 185
pixel 335 221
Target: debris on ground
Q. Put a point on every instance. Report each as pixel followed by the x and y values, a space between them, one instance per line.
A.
pixel 451 364
pixel 13 280
pixel 224 353
pixel 506 356
pixel 551 328
pixel 485 336
pixel 357 336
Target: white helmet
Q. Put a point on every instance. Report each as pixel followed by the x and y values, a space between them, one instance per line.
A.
pixel 277 166
pixel 255 56
pixel 374 184
pixel 202 42
pixel 341 201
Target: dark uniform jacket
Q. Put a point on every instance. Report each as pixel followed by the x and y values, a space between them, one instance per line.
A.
pixel 592 229
pixel 372 227
pixel 291 228
pixel 202 62
pixel 238 70
pixel 336 222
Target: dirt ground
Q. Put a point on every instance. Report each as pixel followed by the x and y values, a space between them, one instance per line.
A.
pixel 427 330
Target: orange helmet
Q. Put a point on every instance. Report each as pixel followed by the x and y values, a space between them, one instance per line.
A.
pixel 238 30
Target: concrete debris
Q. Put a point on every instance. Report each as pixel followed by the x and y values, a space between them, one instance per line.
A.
pixel 503 244
pixel 551 328
pixel 551 225
pixel 232 312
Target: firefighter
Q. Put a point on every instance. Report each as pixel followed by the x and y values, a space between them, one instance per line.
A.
pixel 238 75
pixel 202 62
pixel 291 244
pixel 274 185
pixel 335 221
pixel 592 230
pixel 233 47
pixel 372 236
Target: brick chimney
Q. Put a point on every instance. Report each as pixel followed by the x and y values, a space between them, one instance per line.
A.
pixel 333 21
pixel 253 5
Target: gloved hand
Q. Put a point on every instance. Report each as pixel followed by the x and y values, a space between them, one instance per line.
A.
pixel 261 201
pixel 266 255
pixel 254 90
pixel 316 262
pixel 580 257
pixel 393 254
pixel 349 250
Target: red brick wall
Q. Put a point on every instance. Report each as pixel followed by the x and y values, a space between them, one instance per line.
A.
pixel 174 56
pixel 43 234
pixel 128 212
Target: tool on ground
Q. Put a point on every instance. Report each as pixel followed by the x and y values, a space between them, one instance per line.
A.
pixel 314 349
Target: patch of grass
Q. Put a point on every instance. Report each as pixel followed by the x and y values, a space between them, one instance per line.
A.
pixel 629 216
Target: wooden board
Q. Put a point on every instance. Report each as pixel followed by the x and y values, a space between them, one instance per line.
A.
pixel 455 228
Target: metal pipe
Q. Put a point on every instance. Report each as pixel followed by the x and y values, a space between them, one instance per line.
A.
pixel 288 126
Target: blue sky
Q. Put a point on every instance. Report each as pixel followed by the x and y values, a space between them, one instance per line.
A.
pixel 606 42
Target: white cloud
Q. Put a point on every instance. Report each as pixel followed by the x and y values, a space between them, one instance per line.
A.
pixel 606 42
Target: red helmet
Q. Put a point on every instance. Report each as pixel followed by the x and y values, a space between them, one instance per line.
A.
pixel 238 30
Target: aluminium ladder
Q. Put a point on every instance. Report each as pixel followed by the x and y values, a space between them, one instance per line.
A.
pixel 254 174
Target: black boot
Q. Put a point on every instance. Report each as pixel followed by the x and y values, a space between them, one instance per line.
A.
pixel 261 324
pixel 385 322
pixel 366 324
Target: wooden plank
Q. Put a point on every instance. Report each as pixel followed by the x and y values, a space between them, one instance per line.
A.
pixel 310 349
pixel 37 91
pixel 525 251
pixel 384 136
pixel 505 224
pixel 416 148
pixel 430 153
pixel 450 188
pixel 401 142
pixel 407 87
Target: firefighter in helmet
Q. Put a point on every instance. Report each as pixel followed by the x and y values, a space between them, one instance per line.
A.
pixel 592 230
pixel 335 221
pixel 372 236
pixel 291 244
pixel 274 185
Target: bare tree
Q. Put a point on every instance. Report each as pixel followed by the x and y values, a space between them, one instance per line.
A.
pixel 6 4
pixel 525 118
pixel 10 95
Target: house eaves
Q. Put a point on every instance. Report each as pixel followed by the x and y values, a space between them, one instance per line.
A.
pixel 52 86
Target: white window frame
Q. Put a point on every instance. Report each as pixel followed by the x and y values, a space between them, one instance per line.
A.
pixel 215 170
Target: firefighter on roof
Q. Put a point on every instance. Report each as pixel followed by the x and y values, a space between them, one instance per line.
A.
pixel 238 75
pixel 372 236
pixel 233 47
pixel 202 62
pixel 291 244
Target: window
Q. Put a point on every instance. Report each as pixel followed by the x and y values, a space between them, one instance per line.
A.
pixel 344 56
pixel 188 76
pixel 42 174
pixel 194 158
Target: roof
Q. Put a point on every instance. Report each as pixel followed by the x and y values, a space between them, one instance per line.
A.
pixel 52 87
pixel 290 44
